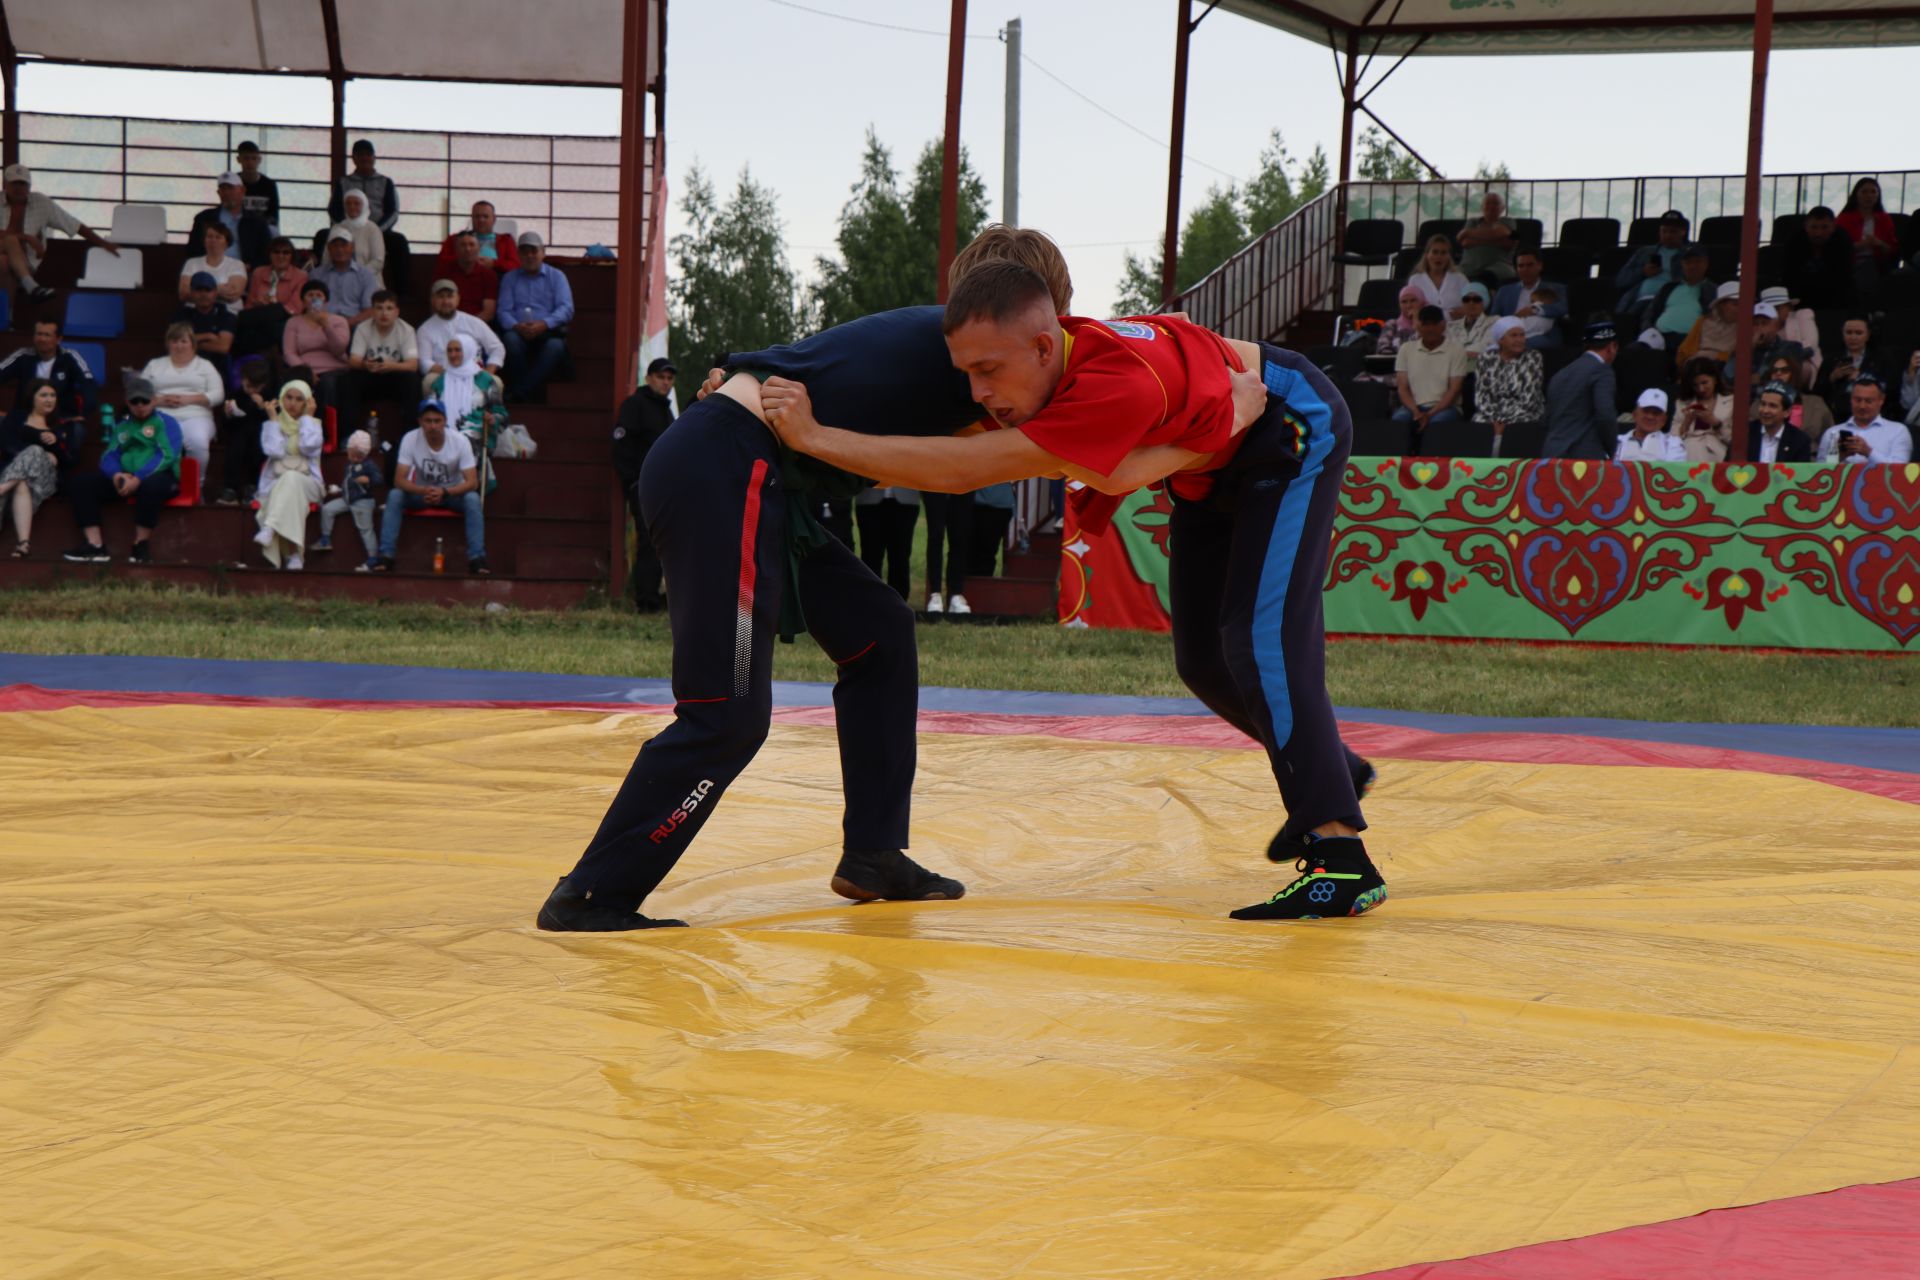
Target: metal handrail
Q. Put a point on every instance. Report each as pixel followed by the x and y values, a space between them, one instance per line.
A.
pixel 1289 270
pixel 565 187
pixel 1284 271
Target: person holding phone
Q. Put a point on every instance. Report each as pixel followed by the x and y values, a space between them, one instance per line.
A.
pixel 1867 437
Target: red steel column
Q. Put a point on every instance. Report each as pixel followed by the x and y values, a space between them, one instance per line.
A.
pixel 1750 230
pixel 629 320
pixel 950 150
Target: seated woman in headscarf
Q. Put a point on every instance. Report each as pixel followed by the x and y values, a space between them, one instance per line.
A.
pixel 474 399
pixel 369 243
pixel 291 440
pixel 1396 332
pixel 1509 383
pixel 35 447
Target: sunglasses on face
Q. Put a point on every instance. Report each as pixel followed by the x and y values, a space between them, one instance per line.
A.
pixel 135 401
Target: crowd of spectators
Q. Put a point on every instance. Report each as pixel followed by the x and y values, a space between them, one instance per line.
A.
pixel 1477 314
pixel 268 344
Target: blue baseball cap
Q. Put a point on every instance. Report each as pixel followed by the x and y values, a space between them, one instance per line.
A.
pixel 431 403
pixel 203 280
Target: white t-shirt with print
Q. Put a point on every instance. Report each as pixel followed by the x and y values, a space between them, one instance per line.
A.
pixel 440 468
pixel 229 267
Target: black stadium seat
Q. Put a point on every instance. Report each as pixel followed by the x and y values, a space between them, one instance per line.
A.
pixel 1406 262
pixel 1368 400
pixel 1643 231
pixel 1528 233
pixel 1372 242
pixel 1457 440
pixel 1380 299
pixel 1595 234
pixel 1721 230
pixel 1523 439
pixel 1786 226
pixel 1566 264
pixel 1381 437
pixel 1448 227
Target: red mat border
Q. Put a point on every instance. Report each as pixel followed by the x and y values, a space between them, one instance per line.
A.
pixel 1391 741
pixel 1871 1230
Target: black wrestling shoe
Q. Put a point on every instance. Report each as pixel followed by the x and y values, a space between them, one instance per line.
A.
pixel 892 875
pixel 568 912
pixel 1289 848
pixel 1337 878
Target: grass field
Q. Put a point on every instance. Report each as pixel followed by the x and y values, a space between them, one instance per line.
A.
pixel 1483 679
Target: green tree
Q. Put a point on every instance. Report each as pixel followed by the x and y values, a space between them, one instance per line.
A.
pixel 1384 160
pixel 1282 185
pixel 890 241
pixel 733 289
pixel 1226 221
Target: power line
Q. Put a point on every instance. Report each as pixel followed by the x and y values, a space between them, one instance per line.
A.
pixel 869 22
pixel 1115 116
pixel 1121 120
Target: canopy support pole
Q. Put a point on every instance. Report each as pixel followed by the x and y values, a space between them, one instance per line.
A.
pixel 1349 87
pixel 639 161
pixel 1750 231
pixel 950 146
pixel 1176 148
pixel 337 77
pixel 10 80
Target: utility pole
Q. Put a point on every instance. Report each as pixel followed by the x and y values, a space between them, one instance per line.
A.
pixel 1010 151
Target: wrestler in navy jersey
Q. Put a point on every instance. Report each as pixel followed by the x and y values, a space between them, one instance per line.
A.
pixel 888 374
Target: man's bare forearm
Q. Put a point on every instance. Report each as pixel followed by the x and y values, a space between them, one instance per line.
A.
pixel 940 464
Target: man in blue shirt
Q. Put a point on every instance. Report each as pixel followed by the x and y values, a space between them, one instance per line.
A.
pixel 350 286
pixel 1648 268
pixel 536 305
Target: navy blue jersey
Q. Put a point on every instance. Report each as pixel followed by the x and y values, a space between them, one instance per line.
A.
pixel 887 374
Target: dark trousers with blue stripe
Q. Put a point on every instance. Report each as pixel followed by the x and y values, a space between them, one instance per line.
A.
pixel 1248 566
pixel 716 513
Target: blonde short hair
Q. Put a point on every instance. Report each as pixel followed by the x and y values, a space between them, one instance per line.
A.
pixel 1034 250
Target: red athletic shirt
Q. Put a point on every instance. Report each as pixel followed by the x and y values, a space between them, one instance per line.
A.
pixel 1128 383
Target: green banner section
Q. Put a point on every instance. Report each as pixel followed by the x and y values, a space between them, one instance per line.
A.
pixel 1801 556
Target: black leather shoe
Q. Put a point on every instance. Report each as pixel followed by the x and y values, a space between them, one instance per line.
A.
pixel 568 912
pixel 892 875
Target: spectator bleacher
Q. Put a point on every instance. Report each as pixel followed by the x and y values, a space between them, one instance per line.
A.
pixel 1585 254
pixel 548 532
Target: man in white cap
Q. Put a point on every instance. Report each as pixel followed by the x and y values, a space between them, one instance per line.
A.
pixel 1797 324
pixel 1768 344
pixel 1650 441
pixel 23 238
pixel 449 321
pixel 248 234
pixel 536 305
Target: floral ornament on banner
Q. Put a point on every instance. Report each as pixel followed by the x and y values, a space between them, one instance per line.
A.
pixel 1518 528
pixel 1851 534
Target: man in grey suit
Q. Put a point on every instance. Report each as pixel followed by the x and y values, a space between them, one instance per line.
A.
pixel 1582 421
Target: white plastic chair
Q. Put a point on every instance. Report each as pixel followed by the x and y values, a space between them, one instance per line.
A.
pixel 104 271
pixel 139 224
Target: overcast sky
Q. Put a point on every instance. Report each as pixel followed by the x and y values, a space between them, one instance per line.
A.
pixel 790 94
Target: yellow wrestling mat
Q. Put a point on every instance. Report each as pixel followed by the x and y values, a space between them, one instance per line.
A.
pixel 273 1005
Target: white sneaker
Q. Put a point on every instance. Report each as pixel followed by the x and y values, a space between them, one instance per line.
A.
pixel 295 564
pixel 959 604
pixel 935 604
pixel 264 537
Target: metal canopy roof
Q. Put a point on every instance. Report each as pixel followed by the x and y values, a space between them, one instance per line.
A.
pixel 572 42
pixel 1491 27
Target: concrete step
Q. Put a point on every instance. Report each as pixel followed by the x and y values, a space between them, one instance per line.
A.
pixel 455 587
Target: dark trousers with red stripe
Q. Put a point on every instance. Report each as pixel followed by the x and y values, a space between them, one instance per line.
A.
pixel 717 515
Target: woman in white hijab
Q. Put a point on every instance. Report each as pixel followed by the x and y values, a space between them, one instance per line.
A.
pixel 474 400
pixel 290 477
pixel 1509 382
pixel 369 244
